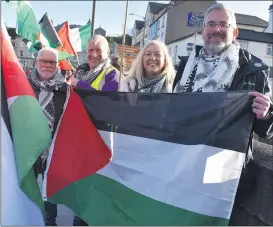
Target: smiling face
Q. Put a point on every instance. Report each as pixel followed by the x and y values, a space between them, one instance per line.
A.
pixel 219 31
pixel 97 51
pixel 153 60
pixel 46 65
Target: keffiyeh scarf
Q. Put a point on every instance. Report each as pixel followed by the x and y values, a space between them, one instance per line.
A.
pixel 90 75
pixel 46 94
pixel 155 85
pixel 210 73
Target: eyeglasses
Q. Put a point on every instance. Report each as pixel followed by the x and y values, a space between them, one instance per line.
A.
pixel 45 62
pixel 222 25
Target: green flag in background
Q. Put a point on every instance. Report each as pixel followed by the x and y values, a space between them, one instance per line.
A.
pixel 27 25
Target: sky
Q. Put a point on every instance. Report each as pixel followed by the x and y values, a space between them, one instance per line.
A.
pixel 110 15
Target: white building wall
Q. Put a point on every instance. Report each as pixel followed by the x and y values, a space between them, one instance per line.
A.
pixel 250 27
pixel 259 50
pixel 161 32
pixel 139 38
pixel 181 47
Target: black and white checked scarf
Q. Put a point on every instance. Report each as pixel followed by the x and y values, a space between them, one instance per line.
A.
pixel 90 75
pixel 46 94
pixel 210 73
pixel 156 85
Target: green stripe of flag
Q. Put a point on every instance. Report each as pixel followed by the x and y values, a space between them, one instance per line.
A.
pixel 97 197
pixel 31 135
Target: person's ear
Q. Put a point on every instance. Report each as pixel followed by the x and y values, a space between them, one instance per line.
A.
pixel 235 33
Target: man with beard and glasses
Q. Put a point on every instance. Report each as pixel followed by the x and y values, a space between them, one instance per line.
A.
pixel 221 66
pixel 51 90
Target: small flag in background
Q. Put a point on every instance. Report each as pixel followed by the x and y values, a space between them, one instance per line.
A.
pixel 66 50
pixel 79 37
pixel 26 25
pixel 30 136
pixel 170 165
pixel 49 32
pixel 65 65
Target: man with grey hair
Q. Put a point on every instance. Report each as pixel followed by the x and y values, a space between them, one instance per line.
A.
pixel 51 90
pixel 221 65
pixel 98 73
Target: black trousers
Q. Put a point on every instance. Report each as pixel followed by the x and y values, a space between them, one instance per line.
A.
pixel 79 222
pixel 50 208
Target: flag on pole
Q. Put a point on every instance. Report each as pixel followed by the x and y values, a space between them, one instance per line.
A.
pixel 79 37
pixel 170 164
pixel 49 31
pixel 26 25
pixel 66 50
pixel 27 138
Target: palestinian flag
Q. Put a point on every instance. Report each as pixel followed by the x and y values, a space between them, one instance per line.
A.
pixel 28 136
pixel 49 32
pixel 176 158
pixel 67 49
pixel 79 37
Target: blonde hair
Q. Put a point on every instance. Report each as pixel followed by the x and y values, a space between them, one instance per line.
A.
pixel 137 69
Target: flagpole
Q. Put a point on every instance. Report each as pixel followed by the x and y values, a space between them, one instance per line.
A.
pixel 93 17
pixel 123 43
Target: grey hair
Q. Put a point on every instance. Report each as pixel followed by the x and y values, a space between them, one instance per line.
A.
pixel 220 6
pixel 103 43
pixel 100 39
pixel 47 49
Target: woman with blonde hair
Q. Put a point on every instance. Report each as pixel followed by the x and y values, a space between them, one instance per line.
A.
pixel 152 70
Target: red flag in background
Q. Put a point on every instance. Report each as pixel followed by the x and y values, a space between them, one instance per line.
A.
pixel 63 34
pixel 65 65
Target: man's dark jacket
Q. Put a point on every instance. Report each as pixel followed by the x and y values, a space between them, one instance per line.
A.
pixel 254 199
pixel 251 71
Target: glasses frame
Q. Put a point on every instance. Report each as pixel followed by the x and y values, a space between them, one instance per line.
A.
pixel 222 25
pixel 45 62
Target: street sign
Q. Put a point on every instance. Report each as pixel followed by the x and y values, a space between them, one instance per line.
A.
pixel 130 54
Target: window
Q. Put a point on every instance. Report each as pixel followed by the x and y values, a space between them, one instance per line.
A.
pixel 21 53
pixel 158 25
pixel 170 51
pixel 175 54
pixel 163 22
pixel 269 72
pixel 162 36
pixel 243 44
pixel 269 50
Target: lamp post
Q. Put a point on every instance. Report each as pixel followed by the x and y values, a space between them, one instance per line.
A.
pixel 133 14
pixel 93 17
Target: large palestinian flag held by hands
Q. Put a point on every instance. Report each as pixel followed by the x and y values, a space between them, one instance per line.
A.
pixel 170 159
pixel 24 135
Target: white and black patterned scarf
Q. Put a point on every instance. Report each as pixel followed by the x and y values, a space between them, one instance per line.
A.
pixel 90 75
pixel 210 73
pixel 155 85
pixel 46 94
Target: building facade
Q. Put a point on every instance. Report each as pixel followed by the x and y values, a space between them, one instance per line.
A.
pixel 138 33
pixel 25 58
